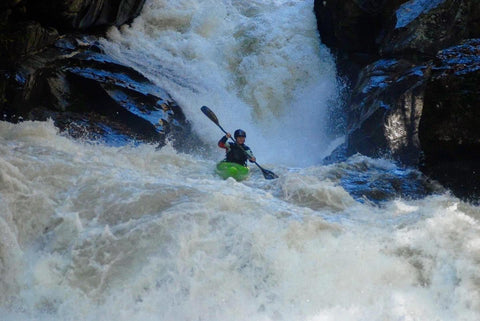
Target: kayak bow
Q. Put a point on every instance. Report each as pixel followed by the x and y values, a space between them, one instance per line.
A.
pixel 227 169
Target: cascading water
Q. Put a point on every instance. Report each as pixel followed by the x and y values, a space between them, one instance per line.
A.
pixel 94 232
pixel 258 64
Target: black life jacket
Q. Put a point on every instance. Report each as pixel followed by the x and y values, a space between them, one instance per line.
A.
pixel 237 155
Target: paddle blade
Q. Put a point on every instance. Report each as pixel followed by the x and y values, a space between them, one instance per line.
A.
pixel 269 174
pixel 266 173
pixel 210 114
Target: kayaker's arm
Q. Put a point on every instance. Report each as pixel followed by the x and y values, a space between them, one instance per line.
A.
pixel 223 142
pixel 250 155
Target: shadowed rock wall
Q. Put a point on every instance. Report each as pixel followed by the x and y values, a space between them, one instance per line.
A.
pixel 51 68
pixel 413 67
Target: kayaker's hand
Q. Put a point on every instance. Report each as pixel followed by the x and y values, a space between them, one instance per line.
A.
pixel 253 159
pixel 228 135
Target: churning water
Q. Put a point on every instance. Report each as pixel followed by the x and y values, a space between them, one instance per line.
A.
pixel 257 64
pixel 94 232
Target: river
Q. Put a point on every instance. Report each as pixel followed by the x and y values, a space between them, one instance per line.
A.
pixel 96 232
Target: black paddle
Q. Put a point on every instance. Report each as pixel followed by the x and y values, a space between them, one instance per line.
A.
pixel 210 114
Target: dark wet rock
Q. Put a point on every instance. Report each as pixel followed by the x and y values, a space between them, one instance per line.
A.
pixel 423 27
pixel 385 111
pixel 339 154
pixel 21 36
pixel 377 181
pixel 28 26
pixel 24 38
pixel 45 73
pixel 449 130
pixel 412 99
pixel 423 115
pixel 83 14
pixel 89 95
pixel 352 28
pixel 362 31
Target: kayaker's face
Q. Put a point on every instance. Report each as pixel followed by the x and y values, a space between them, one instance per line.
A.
pixel 240 140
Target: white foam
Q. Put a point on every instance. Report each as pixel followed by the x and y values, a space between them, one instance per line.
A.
pixel 259 65
pixel 91 232
pixel 136 234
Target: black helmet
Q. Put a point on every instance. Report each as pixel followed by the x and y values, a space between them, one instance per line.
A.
pixel 239 133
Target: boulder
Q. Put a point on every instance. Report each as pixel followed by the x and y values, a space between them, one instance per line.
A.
pixel 423 27
pixel 28 26
pixel 352 28
pixel 385 110
pixel 423 115
pixel 45 73
pixel 449 127
pixel 83 14
pixel 363 31
pixel 413 99
pixel 24 38
pixel 91 96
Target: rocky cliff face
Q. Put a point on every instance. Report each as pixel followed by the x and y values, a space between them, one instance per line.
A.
pixel 83 14
pixel 414 70
pixel 27 26
pixel 50 68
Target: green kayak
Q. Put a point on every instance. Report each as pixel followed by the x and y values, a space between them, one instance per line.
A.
pixel 227 169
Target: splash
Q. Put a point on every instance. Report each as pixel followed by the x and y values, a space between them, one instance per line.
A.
pixel 94 232
pixel 258 64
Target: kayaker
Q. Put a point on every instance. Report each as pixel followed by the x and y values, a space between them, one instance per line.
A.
pixel 237 152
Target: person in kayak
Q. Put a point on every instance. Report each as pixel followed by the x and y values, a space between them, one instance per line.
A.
pixel 237 152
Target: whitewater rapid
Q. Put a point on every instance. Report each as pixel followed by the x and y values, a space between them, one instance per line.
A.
pixel 258 65
pixel 95 232
pixel 91 232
